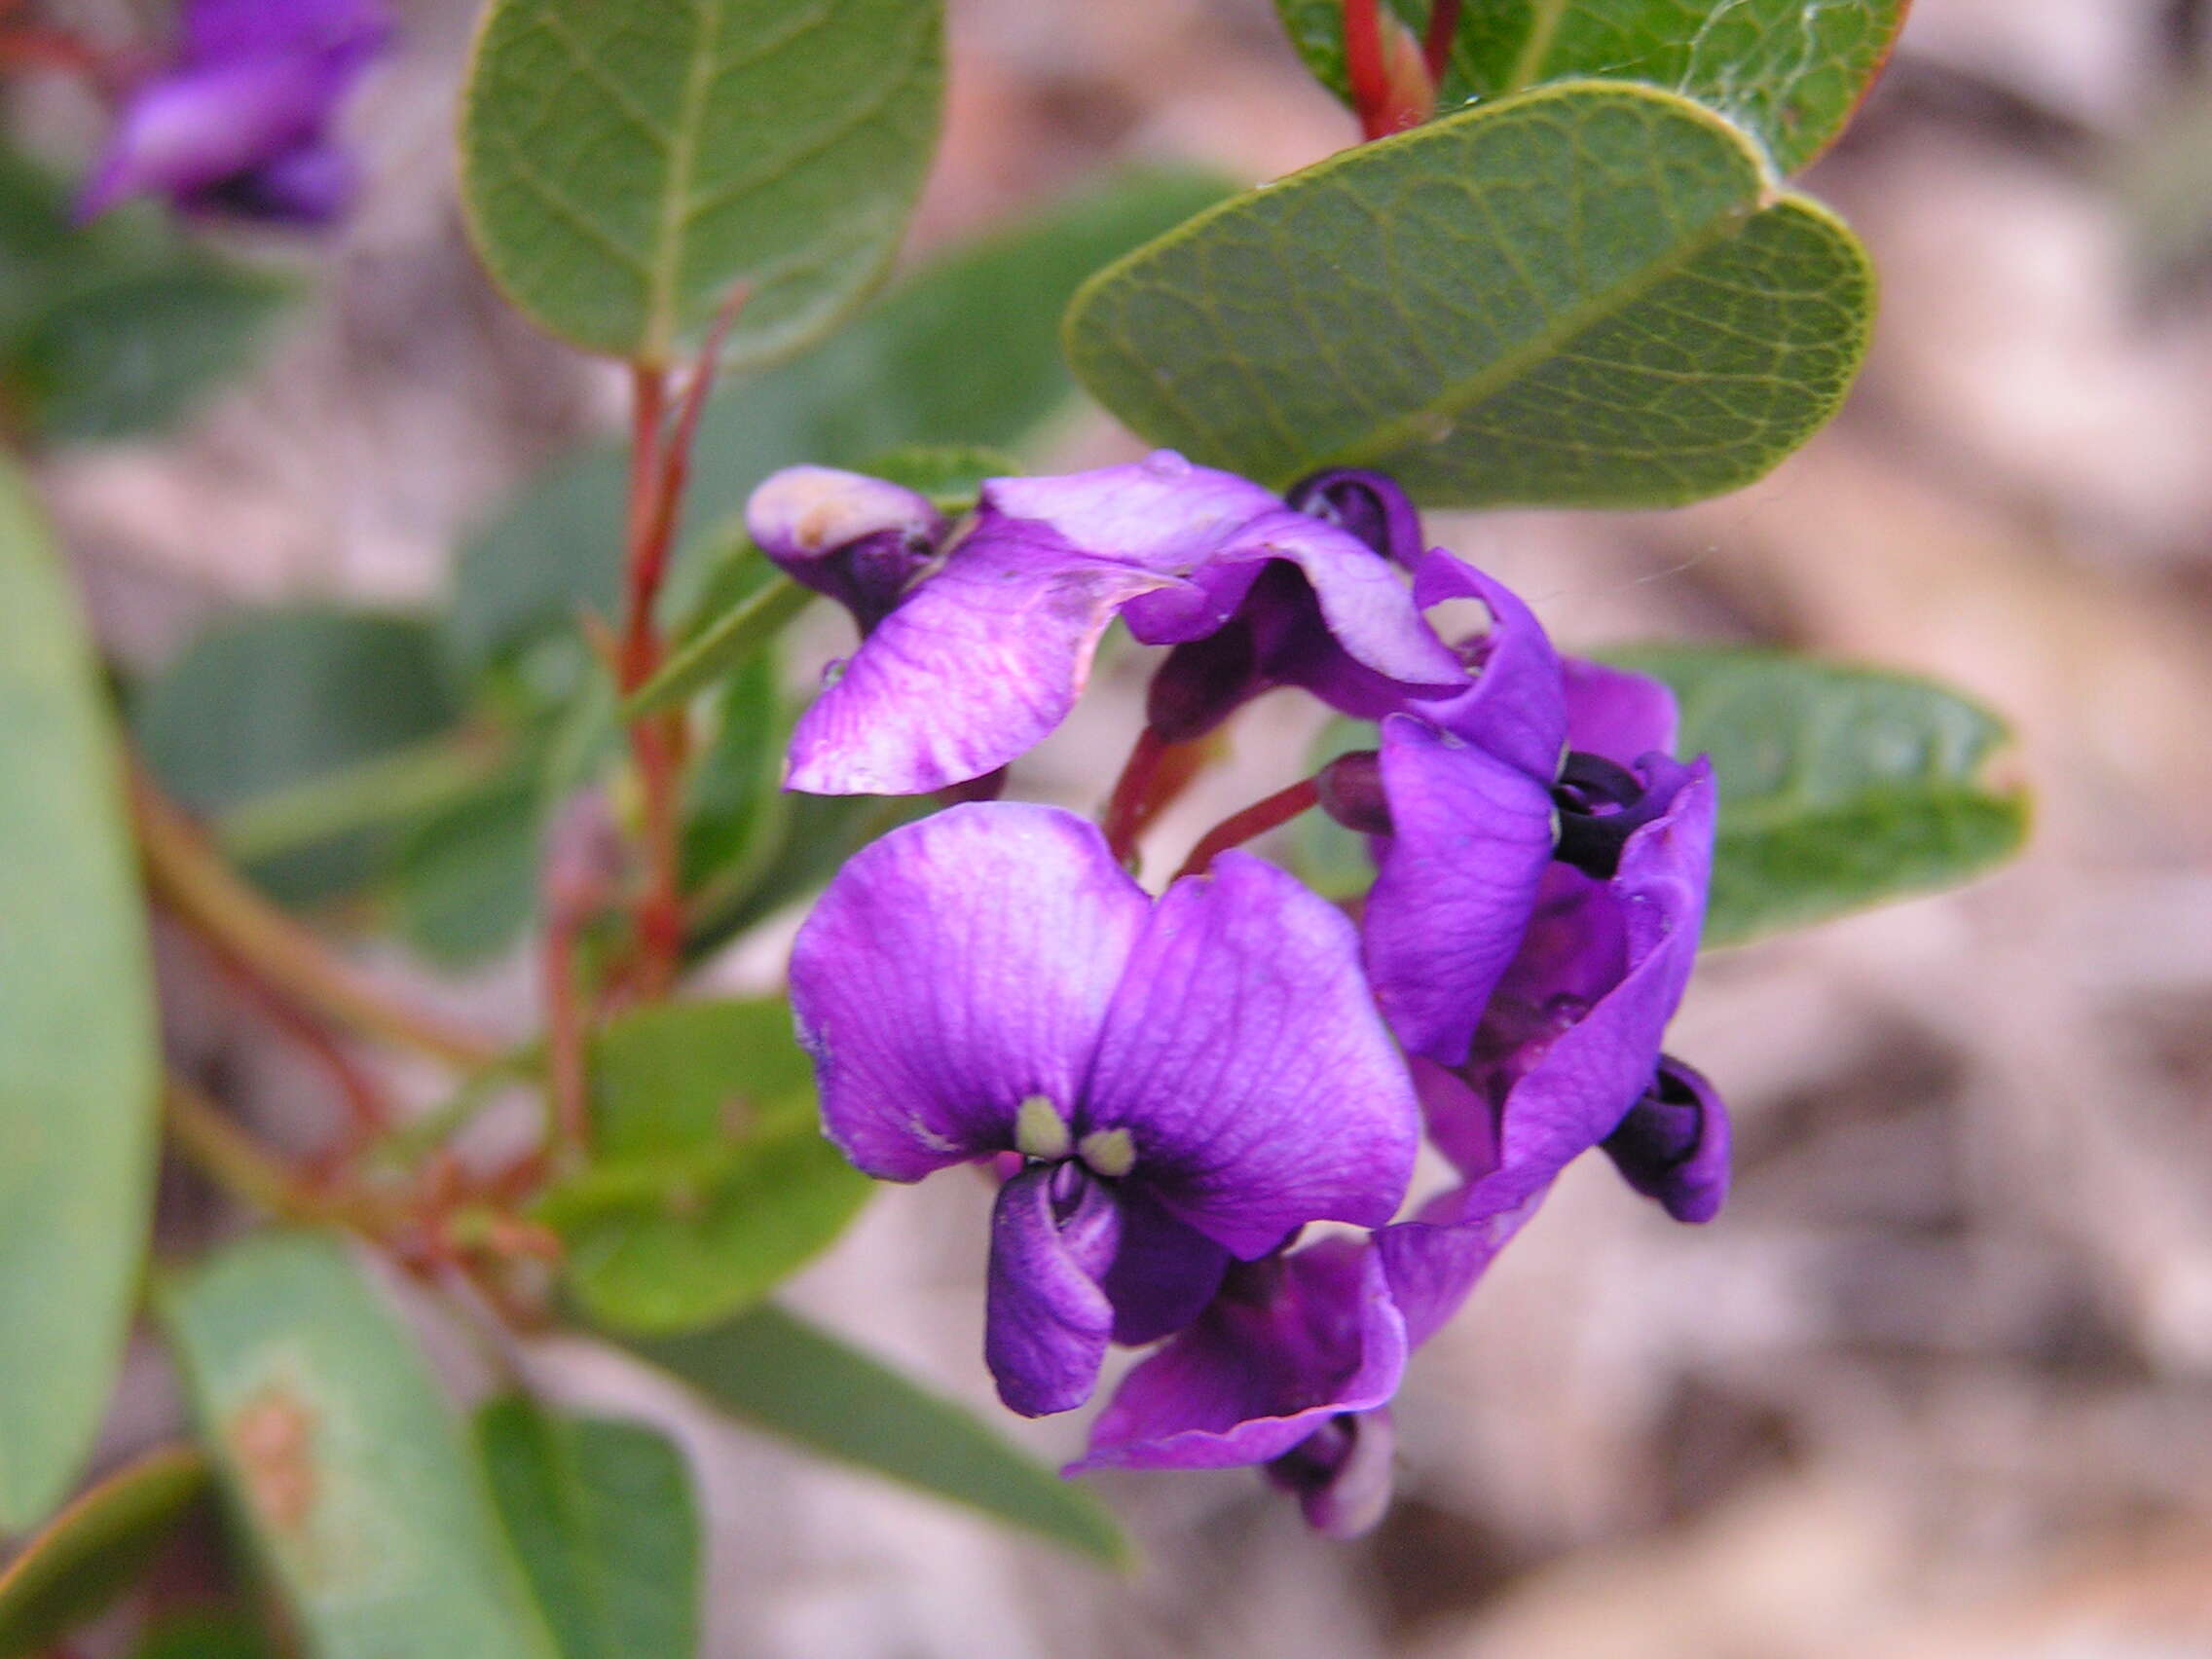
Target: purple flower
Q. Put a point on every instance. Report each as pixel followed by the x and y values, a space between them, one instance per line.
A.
pixel 982 656
pixel 1293 1363
pixel 240 123
pixel 859 540
pixel 1187 1081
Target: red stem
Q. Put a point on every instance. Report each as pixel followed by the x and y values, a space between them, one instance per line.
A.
pixel 1436 45
pixel 1363 66
pixel 1257 819
pixel 565 1075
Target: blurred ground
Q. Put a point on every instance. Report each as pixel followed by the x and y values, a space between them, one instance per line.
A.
pixel 1939 1382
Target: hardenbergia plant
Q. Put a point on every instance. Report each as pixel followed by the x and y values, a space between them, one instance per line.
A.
pixel 1562 269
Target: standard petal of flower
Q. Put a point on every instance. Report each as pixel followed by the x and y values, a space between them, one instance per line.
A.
pixel 1517 706
pixel 1471 837
pixel 1160 513
pixel 1264 1367
pixel 977 665
pixel 1612 712
pixel 1244 1057
pixel 1045 1320
pixel 953 970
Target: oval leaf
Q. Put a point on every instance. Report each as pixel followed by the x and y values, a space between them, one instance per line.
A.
pixel 710 1181
pixel 626 167
pixel 795 1379
pixel 600 1515
pixel 1583 296
pixel 263 704
pixel 342 1460
pixel 966 352
pixel 96 1548
pixel 1789 73
pixel 79 1075
pixel 1840 787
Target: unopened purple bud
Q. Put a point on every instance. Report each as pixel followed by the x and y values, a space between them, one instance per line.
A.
pixel 1340 1473
pixel 1673 1146
pixel 855 539
pixel 1350 790
pixel 1369 504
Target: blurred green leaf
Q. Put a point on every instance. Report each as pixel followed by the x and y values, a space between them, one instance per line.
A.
pixel 626 167
pixel 96 1548
pixel 205 1636
pixel 342 1459
pixel 721 647
pixel 781 1373
pixel 1840 787
pixel 967 352
pixel 1584 296
pixel 734 808
pixel 1789 73
pixel 465 876
pixel 817 834
pixel 951 475
pixel 601 1514
pixel 110 330
pixel 262 704
pixel 78 1068
pixel 710 1182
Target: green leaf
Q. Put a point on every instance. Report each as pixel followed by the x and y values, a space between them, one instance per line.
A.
pixel 79 1070
pixel 795 1379
pixel 626 167
pixel 110 330
pixel 465 878
pixel 733 807
pixel 1583 296
pixel 262 704
pixel 96 1548
pixel 1790 73
pixel 966 352
pixel 710 1182
pixel 721 648
pixel 205 1636
pixel 951 475
pixel 1840 787
pixel 201 1635
pixel 601 1514
pixel 343 1460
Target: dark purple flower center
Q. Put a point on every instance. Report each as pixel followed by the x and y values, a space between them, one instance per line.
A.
pixel 1600 805
pixel 1659 1141
pixel 1369 504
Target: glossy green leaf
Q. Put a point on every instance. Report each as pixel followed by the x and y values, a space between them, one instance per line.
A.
pixel 260 705
pixel 965 353
pixel 110 330
pixel 601 1514
pixel 1840 787
pixel 79 1070
pixel 626 167
pixel 1586 296
pixel 779 1373
pixel 710 1182
pixel 342 1461
pixel 1788 72
pixel 96 1548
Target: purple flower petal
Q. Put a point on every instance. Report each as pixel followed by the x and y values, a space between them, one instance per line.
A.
pixel 1615 714
pixel 953 970
pixel 216 29
pixel 1163 1272
pixel 1373 506
pixel 1290 1344
pixel 1471 837
pixel 1244 1057
pixel 1046 1319
pixel 1517 706
pixel 978 663
pixel 311 185
pixel 1342 1472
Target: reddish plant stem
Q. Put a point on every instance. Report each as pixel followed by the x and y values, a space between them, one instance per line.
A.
pixel 1156 773
pixel 1436 44
pixel 570 1126
pixel 1257 819
pixel 1391 88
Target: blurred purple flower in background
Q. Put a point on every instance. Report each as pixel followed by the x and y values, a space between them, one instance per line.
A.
pixel 240 125
pixel 1187 1081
